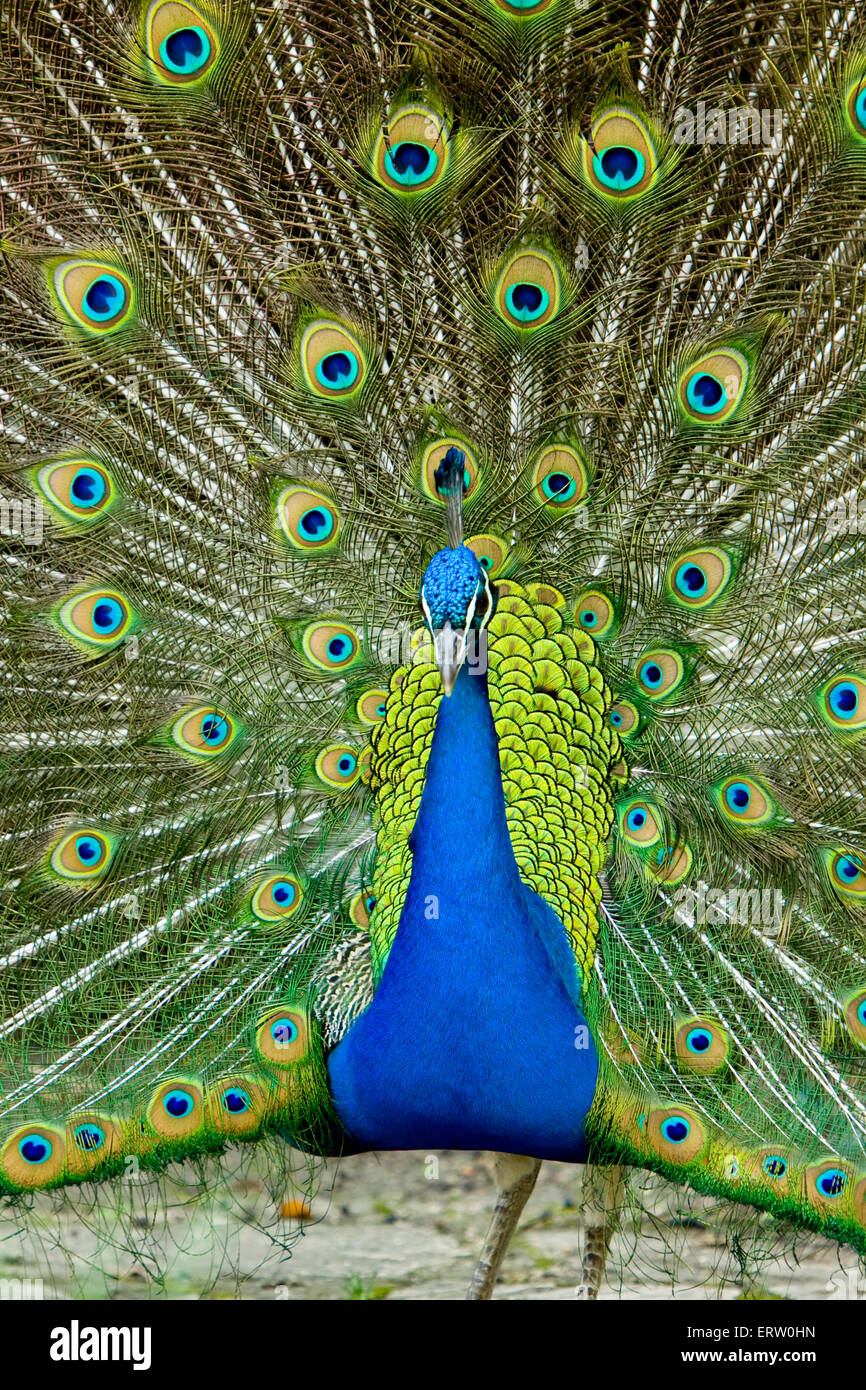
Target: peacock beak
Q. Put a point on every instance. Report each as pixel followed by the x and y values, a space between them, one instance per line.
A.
pixel 450 649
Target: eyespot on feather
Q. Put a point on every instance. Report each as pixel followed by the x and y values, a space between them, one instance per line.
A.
pixel 82 855
pixel 699 577
pixel 431 460
pixel 711 389
pixel 702 1045
pixel 97 617
pixel 744 802
pixel 33 1156
pixel 204 731
pixel 332 360
pixel 622 162
pixel 181 44
pixel 660 673
pixel 80 489
pixel 309 520
pixel 276 898
pixel 417 159
pixel 560 477
pixel 93 295
pixel 281 1036
pixel 528 291
pixel 331 646
pixel 176 1108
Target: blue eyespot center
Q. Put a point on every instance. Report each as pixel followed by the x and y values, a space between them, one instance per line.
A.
pixel 347 764
pixel 236 1101
pixel 88 487
pixel 89 1137
pixel 861 1012
pixel 35 1148
pixel 186 51
pixel 691 580
pixel 370 903
pixel 619 167
pixel 844 699
pixel 699 1039
pixel 107 616
pixel 380 710
pixel 615 718
pixel 526 301
pixel 214 729
pixel 284 1031
pixel 283 893
pixel 588 618
pixel 636 818
pixel 338 370
pixel 651 675
pixel 410 163
pixel 316 524
pixel 104 298
pixel 831 1183
pixel 860 108
pixel 675 1129
pixel 775 1167
pixel 559 487
pixel 705 394
pixel 849 868
pixel 88 849
pixel 738 797
pixel 179 1104
pixel 338 648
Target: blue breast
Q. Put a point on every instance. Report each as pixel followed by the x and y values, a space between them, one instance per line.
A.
pixel 475 1038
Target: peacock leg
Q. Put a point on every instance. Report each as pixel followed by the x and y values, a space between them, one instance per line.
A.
pixel 516 1177
pixel 599 1233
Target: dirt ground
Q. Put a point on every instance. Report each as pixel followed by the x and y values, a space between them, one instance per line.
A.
pixel 395 1226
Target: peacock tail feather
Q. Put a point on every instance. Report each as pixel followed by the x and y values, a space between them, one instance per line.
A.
pixel 264 270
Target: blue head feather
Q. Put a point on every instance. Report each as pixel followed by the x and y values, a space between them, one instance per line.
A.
pixel 451 581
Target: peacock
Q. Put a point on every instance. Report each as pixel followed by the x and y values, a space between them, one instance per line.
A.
pixel 434 579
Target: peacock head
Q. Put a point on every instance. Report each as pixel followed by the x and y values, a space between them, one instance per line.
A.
pixel 455 593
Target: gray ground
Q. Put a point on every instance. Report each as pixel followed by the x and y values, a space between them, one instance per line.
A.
pixel 394 1227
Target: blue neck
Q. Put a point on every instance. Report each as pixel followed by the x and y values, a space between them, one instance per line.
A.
pixel 470 1041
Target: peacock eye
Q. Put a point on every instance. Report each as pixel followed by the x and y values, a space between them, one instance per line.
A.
pixel 621 162
pixel 370 707
pixel 743 802
pixel 418 155
pixel 203 731
pixel 431 462
pixel 660 673
pixel 846 872
pixel 309 519
pixel 281 1036
pixel 181 45
pixel 97 617
pixel 331 646
pixel 491 553
pixel 528 291
pixel 78 488
pixel 35 1148
pixel 235 1100
pixel 699 577
pixel 639 824
pixel 774 1166
pixel 360 909
pixel 856 108
pixel 277 898
pixel 338 766
pixel 332 360
pixel 560 477
pixel 842 702
pixel 712 388
pixel 92 294
pixel 176 1109
pixel 701 1046
pixel 89 1137
pixel 672 863
pixel 855 1016
pixel 82 855
pixel 624 717
pixel 595 613
pixel 675 1129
